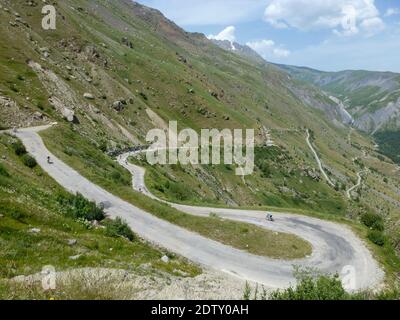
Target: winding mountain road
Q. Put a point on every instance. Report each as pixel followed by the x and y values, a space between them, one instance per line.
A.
pixel 334 246
pixel 349 191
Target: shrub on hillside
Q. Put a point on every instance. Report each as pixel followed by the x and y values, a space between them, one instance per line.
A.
pixel 119 228
pixel 179 191
pixel 19 148
pixel 77 206
pixel 373 221
pixel 29 161
pixel 117 177
pixel 314 287
pixel 377 237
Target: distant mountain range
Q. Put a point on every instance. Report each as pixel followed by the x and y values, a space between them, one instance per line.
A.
pixel 242 50
pixel 372 98
pixel 368 99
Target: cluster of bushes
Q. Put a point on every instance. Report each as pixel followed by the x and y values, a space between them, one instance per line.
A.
pixel 377 237
pixel 77 206
pixel 269 159
pixel 377 227
pixel 29 161
pixel 84 211
pixel 373 221
pixel 174 189
pixel 21 152
pixel 309 288
pixel 312 285
pixel 19 148
pixel 119 228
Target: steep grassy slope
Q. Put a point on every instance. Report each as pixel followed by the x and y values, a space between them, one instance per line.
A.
pixel 140 70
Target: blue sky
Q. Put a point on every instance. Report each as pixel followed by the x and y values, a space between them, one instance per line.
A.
pixel 328 35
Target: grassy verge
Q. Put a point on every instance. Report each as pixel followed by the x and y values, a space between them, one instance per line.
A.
pixel 93 164
pixel 77 287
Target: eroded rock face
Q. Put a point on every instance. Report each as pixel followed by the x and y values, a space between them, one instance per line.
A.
pixel 55 86
pixel 14 115
pixel 7 102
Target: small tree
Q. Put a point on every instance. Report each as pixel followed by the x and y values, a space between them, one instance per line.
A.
pixel 373 221
pixel 377 237
pixel 77 206
pixel 29 161
pixel 19 148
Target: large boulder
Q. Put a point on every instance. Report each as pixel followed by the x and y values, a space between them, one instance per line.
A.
pixel 88 96
pixel 67 113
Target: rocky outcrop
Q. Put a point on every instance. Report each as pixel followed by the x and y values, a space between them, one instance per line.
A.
pixel 119 105
pixel 67 113
pixel 88 96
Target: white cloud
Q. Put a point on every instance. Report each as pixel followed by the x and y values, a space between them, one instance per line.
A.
pixel 344 17
pixel 281 53
pixel 268 49
pixel 227 34
pixel 392 12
